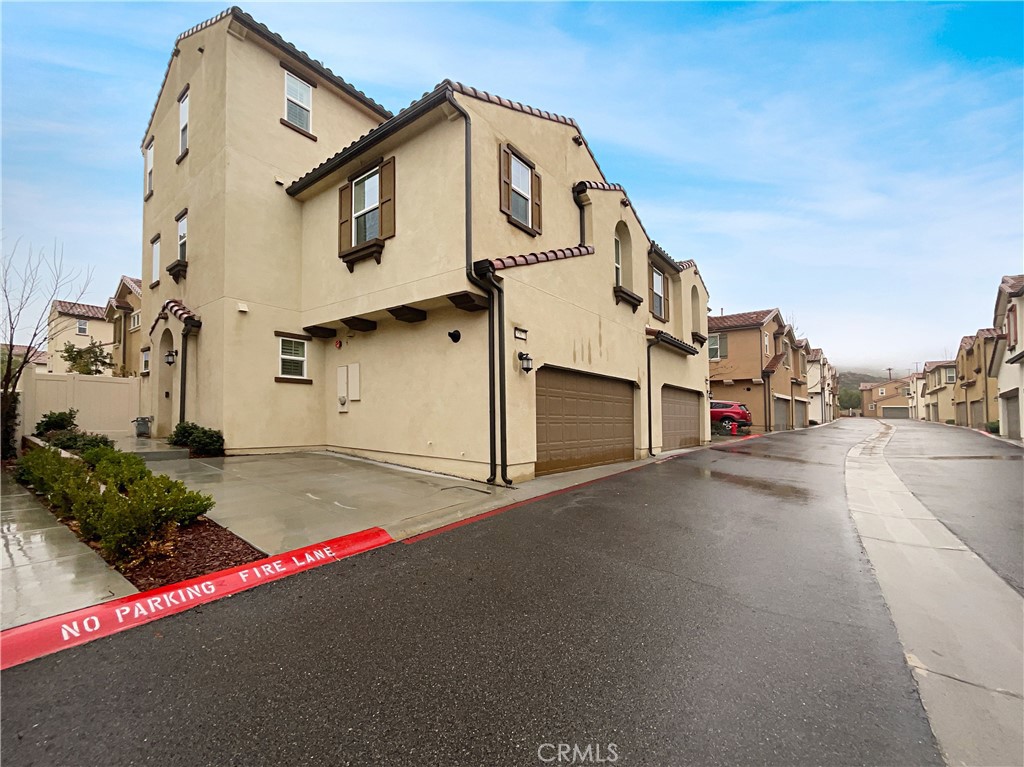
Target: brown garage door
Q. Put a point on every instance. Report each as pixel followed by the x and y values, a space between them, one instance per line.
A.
pixel 978 415
pixel 780 415
pixel 582 420
pixel 680 418
pixel 1013 417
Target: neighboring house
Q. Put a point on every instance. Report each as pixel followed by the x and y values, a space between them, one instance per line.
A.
pixel 124 312
pixel 1007 362
pixel 939 391
pixel 391 300
pixel 976 398
pixel 37 357
pixel 756 359
pixel 918 407
pixel 886 399
pixel 822 387
pixel 81 324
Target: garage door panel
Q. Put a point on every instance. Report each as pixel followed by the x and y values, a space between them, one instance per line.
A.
pixel 895 411
pixel 781 415
pixel 680 418
pixel 800 418
pixel 1013 417
pixel 582 420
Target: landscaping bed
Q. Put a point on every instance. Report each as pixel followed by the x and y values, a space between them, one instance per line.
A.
pixel 151 528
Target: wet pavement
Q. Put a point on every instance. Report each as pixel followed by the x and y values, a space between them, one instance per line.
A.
pixel 44 569
pixel 715 609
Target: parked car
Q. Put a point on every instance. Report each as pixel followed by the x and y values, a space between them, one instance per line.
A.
pixel 727 413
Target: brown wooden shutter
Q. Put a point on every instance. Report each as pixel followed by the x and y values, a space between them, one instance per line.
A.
pixel 535 194
pixel 505 171
pixel 387 198
pixel 723 346
pixel 665 288
pixel 650 286
pixel 345 218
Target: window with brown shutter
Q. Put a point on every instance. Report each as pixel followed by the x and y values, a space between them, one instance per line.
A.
pixel 657 287
pixel 366 212
pixel 519 190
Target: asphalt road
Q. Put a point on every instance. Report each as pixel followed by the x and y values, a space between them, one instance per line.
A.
pixel 716 608
pixel 973 483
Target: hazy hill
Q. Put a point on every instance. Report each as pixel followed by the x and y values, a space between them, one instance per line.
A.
pixel 849 379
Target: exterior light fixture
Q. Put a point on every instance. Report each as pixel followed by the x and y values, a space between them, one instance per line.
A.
pixel 171 357
pixel 526 362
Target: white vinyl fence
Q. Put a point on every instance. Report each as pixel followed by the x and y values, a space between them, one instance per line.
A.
pixel 104 404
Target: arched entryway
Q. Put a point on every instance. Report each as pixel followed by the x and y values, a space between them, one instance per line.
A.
pixel 165 386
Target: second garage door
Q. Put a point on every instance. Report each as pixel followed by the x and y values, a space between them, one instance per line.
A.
pixel 893 411
pixel 680 418
pixel 799 414
pixel 1013 417
pixel 780 415
pixel 582 420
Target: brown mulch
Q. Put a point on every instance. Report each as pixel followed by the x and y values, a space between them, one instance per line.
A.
pixel 201 548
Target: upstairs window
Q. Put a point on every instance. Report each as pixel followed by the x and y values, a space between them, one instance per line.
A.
pixel 950 375
pixel 149 168
pixel 1011 327
pixel 767 345
pixel 718 346
pixel 881 392
pixel 366 207
pixel 145 360
pixel 183 123
pixel 293 358
pixel 298 102
pixel 183 238
pixel 785 353
pixel 618 263
pixel 520 190
pixel 135 321
pixel 156 259
pixel 659 301
pixel 83 327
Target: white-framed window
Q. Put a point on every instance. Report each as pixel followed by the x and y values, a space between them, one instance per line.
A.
pixel 618 262
pixel 135 321
pixel 156 260
pixel 521 181
pixel 881 392
pixel 714 350
pixel 293 358
pixel 658 292
pixel 950 375
pixel 366 207
pixel 183 238
pixel 785 353
pixel 145 361
pixel 149 167
pixel 83 327
pixel 767 344
pixel 298 102
pixel 183 124
pixel 871 406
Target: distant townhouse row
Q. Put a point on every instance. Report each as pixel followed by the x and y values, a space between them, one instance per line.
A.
pixel 755 358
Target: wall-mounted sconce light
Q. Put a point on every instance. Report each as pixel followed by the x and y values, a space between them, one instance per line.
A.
pixel 526 362
pixel 455 335
pixel 171 357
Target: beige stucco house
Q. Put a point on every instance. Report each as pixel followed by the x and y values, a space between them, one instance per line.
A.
pixel 124 313
pixel 976 397
pixel 81 324
pixel 456 288
pixel 886 399
pixel 917 404
pixel 939 391
pixel 822 388
pixel 1007 362
pixel 756 359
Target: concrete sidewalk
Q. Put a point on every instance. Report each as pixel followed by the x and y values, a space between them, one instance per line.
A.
pixel 45 570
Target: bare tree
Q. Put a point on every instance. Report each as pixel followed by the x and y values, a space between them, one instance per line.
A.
pixel 29 286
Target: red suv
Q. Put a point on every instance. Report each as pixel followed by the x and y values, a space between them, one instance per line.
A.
pixel 727 413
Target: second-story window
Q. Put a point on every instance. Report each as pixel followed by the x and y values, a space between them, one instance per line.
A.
pixel 135 321
pixel 767 344
pixel 145 360
pixel 183 123
pixel 785 353
pixel 618 263
pixel 366 207
pixel 83 327
pixel 881 392
pixel 156 259
pixel 950 375
pixel 718 346
pixel 183 238
pixel 149 167
pixel 658 303
pixel 520 190
pixel 298 102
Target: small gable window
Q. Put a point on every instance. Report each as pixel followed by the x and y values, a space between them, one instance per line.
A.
pixel 149 168
pixel 298 102
pixel 183 124
pixel 659 296
pixel 136 321
pixel 83 327
pixel 618 262
pixel 520 190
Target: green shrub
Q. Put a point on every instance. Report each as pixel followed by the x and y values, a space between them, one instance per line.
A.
pixel 182 434
pixel 90 441
pixel 94 455
pixel 73 476
pixel 206 442
pixel 63 420
pixel 39 468
pixel 951 422
pixel 993 427
pixel 9 420
pixel 121 470
pixel 76 441
pixel 124 523
pixel 87 508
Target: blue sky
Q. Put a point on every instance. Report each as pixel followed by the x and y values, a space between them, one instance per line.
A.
pixel 858 165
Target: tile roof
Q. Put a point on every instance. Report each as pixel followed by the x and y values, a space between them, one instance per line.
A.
pixel 602 186
pixel 119 305
pixel 134 284
pixel 526 259
pixel 176 308
pixel 263 31
pixel 930 366
pixel 86 311
pixel 1013 284
pixel 671 340
pixel 814 355
pixel 967 342
pixel 774 362
pixel 38 356
pixel 741 320
pixel 987 333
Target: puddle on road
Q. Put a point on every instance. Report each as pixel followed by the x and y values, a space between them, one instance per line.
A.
pixel 768 456
pixel 1014 457
pixel 765 486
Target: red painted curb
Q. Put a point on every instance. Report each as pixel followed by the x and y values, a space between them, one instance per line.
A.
pixel 34 640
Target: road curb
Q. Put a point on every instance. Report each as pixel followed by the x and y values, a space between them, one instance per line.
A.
pixel 43 637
